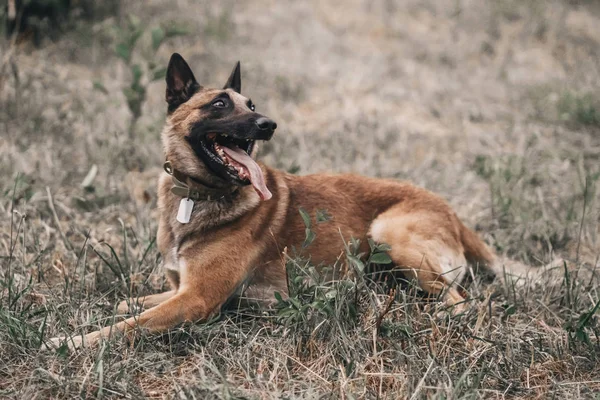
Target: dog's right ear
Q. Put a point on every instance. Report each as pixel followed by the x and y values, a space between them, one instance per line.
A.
pixel 181 84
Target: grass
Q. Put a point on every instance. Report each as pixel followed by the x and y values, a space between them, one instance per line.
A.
pixel 78 210
pixel 349 337
pixel 580 109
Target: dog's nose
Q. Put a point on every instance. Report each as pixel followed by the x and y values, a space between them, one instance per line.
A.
pixel 265 123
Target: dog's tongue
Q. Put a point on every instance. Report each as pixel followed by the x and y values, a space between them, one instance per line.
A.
pixel 256 176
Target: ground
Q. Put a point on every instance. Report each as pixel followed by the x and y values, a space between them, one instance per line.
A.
pixel 494 105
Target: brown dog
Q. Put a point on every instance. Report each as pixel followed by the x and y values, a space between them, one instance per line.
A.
pixel 226 219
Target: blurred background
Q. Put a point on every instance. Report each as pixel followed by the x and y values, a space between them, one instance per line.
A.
pixel 494 104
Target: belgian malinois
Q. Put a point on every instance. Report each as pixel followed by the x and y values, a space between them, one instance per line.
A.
pixel 226 219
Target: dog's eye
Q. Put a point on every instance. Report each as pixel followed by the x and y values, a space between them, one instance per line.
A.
pixel 252 107
pixel 218 103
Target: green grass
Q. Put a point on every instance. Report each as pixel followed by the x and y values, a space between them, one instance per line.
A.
pixel 580 109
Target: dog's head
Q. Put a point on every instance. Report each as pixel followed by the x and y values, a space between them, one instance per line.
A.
pixel 211 133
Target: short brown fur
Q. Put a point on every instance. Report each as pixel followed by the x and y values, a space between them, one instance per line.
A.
pixel 239 240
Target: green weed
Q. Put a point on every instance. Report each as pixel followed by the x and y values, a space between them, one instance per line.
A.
pixel 579 109
pixel 140 58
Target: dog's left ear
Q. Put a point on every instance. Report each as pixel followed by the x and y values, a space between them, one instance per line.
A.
pixel 235 79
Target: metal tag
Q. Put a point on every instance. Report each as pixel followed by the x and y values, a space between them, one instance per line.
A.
pixel 185 210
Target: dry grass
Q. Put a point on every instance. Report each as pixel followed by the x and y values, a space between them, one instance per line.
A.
pixel 492 104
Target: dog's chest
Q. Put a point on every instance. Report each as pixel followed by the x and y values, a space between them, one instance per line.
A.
pixel 172 260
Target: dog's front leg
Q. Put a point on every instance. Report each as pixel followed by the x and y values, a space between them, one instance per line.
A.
pixel 184 306
pixel 204 289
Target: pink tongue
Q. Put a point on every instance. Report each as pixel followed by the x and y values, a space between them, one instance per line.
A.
pixel 256 175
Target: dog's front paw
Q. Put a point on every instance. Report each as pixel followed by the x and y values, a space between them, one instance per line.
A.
pixel 123 307
pixel 132 305
pixel 73 342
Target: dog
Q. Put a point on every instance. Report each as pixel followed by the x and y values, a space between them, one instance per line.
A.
pixel 226 219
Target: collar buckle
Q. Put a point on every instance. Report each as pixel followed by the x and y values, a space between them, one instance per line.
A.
pixel 168 167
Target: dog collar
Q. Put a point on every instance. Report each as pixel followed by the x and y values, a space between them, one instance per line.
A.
pixel 182 189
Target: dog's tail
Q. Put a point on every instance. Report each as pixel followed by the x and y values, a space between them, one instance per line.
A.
pixel 476 252
pixel 481 256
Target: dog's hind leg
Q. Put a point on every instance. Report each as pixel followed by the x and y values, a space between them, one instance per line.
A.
pixel 425 247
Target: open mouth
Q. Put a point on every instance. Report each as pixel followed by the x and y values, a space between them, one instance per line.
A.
pixel 230 158
pixel 222 145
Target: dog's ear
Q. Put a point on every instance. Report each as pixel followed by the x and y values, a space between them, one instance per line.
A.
pixel 181 84
pixel 235 79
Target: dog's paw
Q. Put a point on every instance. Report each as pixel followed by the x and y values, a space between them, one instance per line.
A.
pixel 458 309
pixel 74 342
pixel 446 312
pixel 131 305
pixel 123 307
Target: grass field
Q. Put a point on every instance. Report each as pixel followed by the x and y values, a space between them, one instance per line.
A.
pixel 495 105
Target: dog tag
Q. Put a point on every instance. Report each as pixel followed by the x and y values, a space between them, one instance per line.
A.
pixel 185 210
